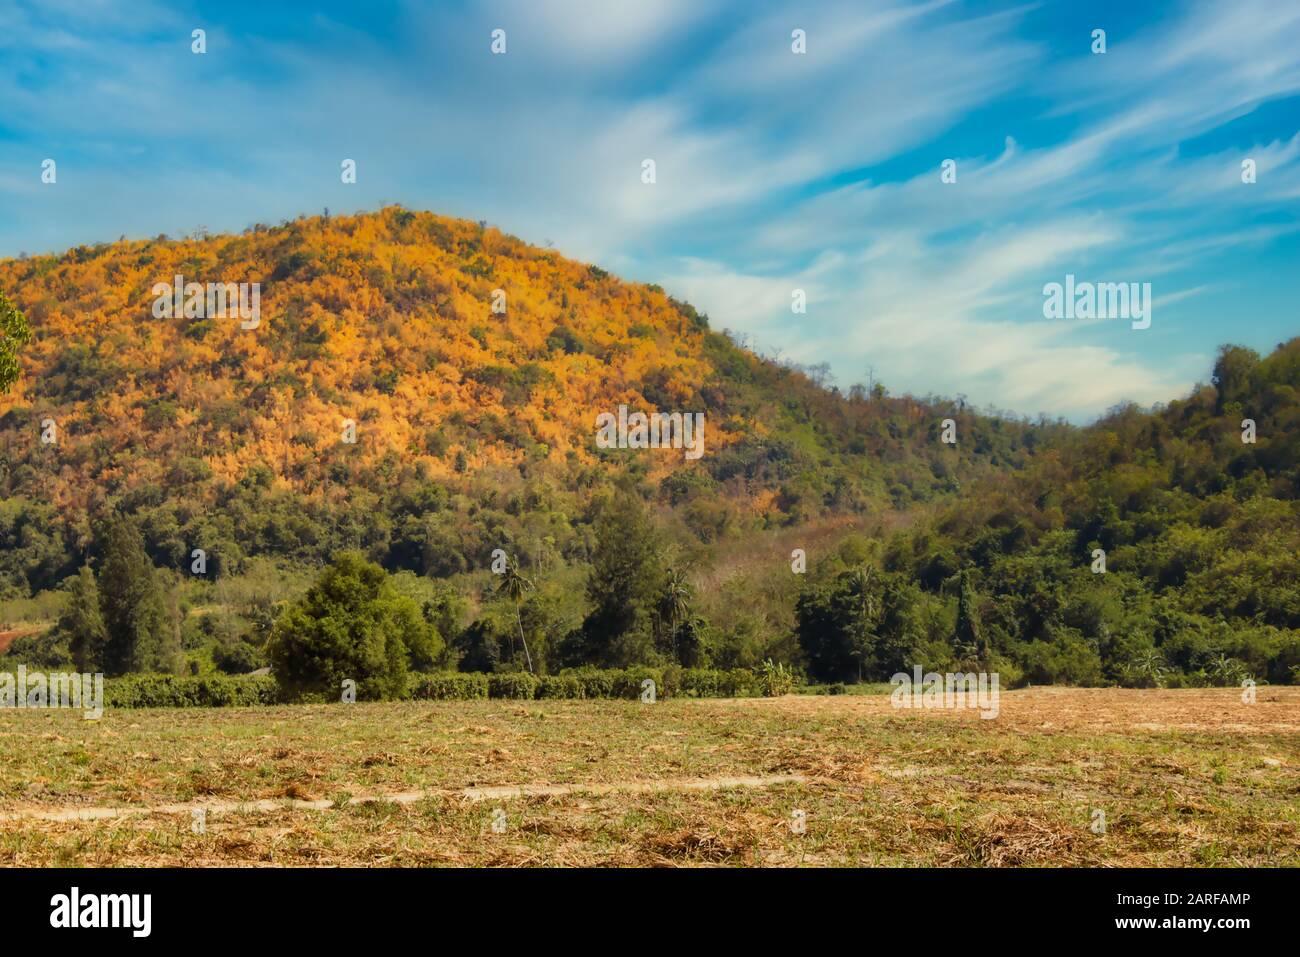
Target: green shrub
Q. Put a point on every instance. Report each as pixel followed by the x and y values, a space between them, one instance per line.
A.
pixel 717 683
pixel 45 651
pixel 241 691
pixel 512 684
pixel 207 691
pixel 237 658
pixel 595 682
pixel 775 679
pixel 672 680
pixel 627 684
pixel 1010 675
pixel 1067 661
pixel 449 686
pixel 741 683
pixel 559 686
pixel 702 683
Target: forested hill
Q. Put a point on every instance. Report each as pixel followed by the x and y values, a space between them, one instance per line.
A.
pixel 1150 547
pixel 472 366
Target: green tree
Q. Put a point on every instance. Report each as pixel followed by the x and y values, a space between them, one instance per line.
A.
pixel 352 624
pixel 444 610
pixel 14 332
pixel 1234 375
pixel 674 611
pixel 836 622
pixel 862 624
pixel 968 635
pixel 83 623
pixel 625 580
pixel 690 642
pixel 480 646
pixel 818 627
pixel 861 606
pixel 132 604
pixel 515 586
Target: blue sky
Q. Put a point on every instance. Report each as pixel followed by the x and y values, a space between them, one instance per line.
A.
pixel 775 171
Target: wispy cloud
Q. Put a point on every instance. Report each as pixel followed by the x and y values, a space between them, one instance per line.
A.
pixel 775 170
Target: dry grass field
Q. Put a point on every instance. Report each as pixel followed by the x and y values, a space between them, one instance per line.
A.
pixel 1183 778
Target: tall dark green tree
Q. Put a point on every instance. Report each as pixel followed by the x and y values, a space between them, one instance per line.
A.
pixel 624 584
pixel 480 646
pixel 689 642
pixel 444 611
pixel 968 636
pixel 817 626
pixel 860 603
pixel 131 601
pixel 83 623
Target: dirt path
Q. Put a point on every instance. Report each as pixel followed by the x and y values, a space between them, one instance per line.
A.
pixel 499 793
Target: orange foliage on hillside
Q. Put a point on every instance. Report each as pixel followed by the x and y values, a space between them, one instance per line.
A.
pixel 385 319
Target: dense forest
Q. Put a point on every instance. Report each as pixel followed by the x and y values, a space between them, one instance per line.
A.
pixel 202 473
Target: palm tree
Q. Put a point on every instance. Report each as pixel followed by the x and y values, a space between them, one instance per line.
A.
pixel 675 603
pixel 515 586
pixel 865 608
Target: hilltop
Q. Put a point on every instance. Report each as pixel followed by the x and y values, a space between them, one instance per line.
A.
pixel 474 425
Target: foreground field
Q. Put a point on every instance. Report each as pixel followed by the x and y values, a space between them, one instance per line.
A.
pixel 1181 777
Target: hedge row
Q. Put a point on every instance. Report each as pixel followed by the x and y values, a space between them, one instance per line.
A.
pixel 208 691
pixel 448 686
pixel 215 691
pixel 589 683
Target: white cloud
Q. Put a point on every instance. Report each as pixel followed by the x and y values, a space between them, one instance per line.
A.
pixel 592 33
pixel 935 285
